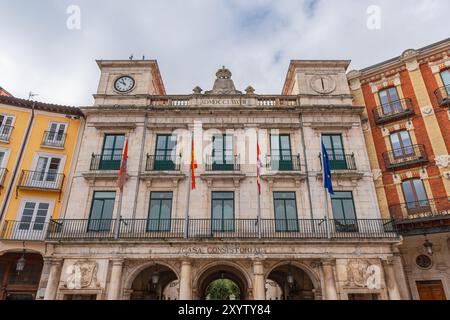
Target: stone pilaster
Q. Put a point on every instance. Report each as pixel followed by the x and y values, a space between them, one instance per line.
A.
pixel 116 279
pixel 259 287
pixel 53 279
pixel 186 280
pixel 329 279
pixel 391 282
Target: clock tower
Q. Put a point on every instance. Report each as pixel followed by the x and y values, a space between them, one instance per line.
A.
pixel 128 82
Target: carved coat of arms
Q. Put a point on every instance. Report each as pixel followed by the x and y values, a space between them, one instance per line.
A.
pixel 81 274
pixel 361 273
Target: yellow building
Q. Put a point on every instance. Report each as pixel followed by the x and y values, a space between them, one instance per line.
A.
pixel 38 142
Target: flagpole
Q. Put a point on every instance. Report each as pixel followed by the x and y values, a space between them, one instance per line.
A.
pixel 258 162
pixel 188 196
pixel 119 212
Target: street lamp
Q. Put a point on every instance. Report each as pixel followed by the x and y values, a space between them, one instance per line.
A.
pixel 20 265
pixel 428 245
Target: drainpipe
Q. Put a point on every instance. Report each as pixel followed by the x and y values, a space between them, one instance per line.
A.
pixel 306 167
pixel 19 160
pixel 138 180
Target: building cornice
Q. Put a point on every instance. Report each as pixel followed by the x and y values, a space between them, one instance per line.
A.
pixel 29 104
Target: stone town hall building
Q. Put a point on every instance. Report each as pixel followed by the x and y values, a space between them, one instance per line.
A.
pixel 295 251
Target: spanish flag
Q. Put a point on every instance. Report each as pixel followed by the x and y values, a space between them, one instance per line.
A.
pixel 193 165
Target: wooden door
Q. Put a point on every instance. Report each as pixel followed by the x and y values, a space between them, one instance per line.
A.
pixel 431 290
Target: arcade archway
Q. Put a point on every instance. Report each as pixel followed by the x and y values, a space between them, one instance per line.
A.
pixel 290 282
pixel 157 282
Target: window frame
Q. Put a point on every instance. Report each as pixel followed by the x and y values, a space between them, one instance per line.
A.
pixel 110 162
pixel 167 162
pixel 90 220
pixel 166 226
pixel 288 226
pixel 224 163
pixel 403 148
pixel 278 160
pixel 230 225
pixel 345 227
pixel 393 107
pixel 418 204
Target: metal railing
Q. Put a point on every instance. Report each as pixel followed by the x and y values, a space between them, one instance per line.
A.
pixel 442 95
pixel 428 208
pixel 283 162
pixel 393 110
pixel 400 157
pixel 69 229
pixel 5 132
pixel 214 163
pixel 3 173
pixel 162 163
pixel 23 230
pixel 53 139
pixel 340 161
pixel 46 180
pixel 105 162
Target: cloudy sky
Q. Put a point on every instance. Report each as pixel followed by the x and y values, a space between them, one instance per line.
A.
pixel 256 39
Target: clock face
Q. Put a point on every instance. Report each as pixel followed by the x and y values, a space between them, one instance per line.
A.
pixel 124 84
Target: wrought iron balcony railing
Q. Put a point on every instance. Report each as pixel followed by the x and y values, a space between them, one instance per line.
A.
pixel 41 180
pixel 442 95
pixel 215 163
pixel 393 110
pixel 283 162
pixel 23 230
pixel 340 161
pixel 5 132
pixel 53 139
pixel 105 162
pixel 3 173
pixel 411 155
pixel 162 163
pixel 72 229
pixel 423 209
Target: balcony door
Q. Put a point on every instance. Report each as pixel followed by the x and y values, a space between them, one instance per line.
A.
pixel 281 152
pixel 160 211
pixel 112 152
pixel 46 173
pixel 100 218
pixel 285 211
pixel 445 76
pixel 222 211
pixel 165 152
pixel 6 122
pixel 222 153
pixel 401 144
pixel 344 211
pixel 34 216
pixel 415 196
pixel 55 136
pixel 390 101
pixel 335 149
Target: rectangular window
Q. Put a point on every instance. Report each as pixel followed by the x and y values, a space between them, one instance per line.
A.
pixel 445 76
pixel 335 149
pixel 101 211
pixel 6 123
pixel 33 219
pixel 165 152
pixel 401 144
pixel 285 207
pixel 55 135
pixel 159 212
pixel 112 152
pixel 281 152
pixel 390 101
pixel 222 211
pixel 415 196
pixel 222 152
pixel 344 211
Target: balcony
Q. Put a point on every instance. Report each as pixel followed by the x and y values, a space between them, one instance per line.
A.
pixel 214 163
pixel 442 95
pixel 415 217
pixel 53 139
pixel 3 173
pixel 5 133
pixel 340 161
pixel 41 180
pixel 147 229
pixel 103 162
pixel 283 163
pixel 404 157
pixel 23 230
pixel 162 163
pixel 393 111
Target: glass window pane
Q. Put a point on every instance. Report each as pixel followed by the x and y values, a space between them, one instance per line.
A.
pixel 393 95
pixel 228 209
pixel 120 140
pixel 420 190
pixel 446 77
pixel 349 211
pixel 291 209
pixel 383 97
pixel 217 209
pixel 109 142
pixel 337 142
pixel 279 209
pixel 285 142
pixel 154 209
pixel 408 191
pixel 274 142
pixel 223 195
pixel 108 208
pixel 395 141
pixel 161 142
pixel 104 195
pixel 338 212
pixel 97 208
pixel 166 208
pixel 406 139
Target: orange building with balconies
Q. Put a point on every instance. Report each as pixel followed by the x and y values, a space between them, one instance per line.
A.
pixel 407 132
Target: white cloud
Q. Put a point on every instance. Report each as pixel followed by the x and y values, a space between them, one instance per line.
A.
pixel 191 39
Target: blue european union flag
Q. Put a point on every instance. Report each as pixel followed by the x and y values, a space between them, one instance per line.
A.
pixel 326 170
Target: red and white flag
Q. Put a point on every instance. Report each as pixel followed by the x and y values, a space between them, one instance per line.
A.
pixel 258 167
pixel 123 167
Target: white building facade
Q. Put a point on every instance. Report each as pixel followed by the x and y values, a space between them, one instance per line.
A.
pixel 291 242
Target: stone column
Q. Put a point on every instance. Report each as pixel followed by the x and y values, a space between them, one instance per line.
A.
pixel 391 282
pixel 186 280
pixel 329 280
pixel 259 285
pixel 53 279
pixel 116 280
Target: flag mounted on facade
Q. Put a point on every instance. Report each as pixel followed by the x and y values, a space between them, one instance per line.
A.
pixel 327 183
pixel 258 167
pixel 123 167
pixel 193 165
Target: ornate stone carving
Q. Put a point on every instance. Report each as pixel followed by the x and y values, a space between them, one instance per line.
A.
pixel 323 84
pixel 361 273
pixel 223 83
pixel 81 274
pixel 409 53
pixel 443 161
pixel 249 90
pixel 427 111
pixel 197 90
pixel 377 173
